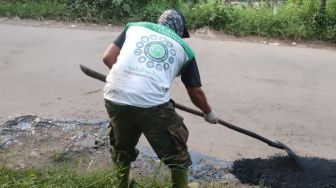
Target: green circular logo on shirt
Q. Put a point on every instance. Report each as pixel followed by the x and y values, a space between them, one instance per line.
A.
pixel 156 50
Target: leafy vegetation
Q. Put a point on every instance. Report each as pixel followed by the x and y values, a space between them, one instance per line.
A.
pixel 34 9
pixel 293 19
pixel 65 176
pixel 56 177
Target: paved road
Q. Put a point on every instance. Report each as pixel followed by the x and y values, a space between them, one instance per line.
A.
pixel 283 93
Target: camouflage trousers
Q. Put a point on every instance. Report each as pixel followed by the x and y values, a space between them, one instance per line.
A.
pixel 161 125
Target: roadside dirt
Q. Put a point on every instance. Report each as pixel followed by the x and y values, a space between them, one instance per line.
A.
pixel 31 141
pixel 210 34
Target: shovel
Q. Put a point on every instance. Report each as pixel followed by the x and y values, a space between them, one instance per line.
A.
pixel 276 144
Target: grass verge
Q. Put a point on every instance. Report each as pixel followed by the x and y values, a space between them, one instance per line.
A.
pixel 298 20
pixel 57 177
pixel 45 9
pixel 66 176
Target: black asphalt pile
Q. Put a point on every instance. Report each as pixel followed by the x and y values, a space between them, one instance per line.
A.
pixel 283 172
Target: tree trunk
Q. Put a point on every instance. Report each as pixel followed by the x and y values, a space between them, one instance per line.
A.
pixel 321 18
pixel 323 4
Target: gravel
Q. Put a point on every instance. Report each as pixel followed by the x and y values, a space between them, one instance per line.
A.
pixel 71 140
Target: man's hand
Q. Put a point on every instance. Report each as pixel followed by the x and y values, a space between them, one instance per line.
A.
pixel 211 117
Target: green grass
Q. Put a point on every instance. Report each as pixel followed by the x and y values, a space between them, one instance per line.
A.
pixel 296 19
pixel 56 177
pixel 47 9
pixel 66 176
pixel 299 21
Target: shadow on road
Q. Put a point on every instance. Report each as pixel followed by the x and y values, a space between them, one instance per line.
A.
pixel 280 171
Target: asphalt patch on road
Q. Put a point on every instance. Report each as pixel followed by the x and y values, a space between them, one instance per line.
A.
pixel 282 171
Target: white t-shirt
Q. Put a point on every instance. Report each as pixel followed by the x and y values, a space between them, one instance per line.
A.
pixel 150 58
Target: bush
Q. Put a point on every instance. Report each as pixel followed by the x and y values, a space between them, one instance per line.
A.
pixel 295 19
pixel 99 10
pixel 330 33
pixel 152 10
pixel 33 9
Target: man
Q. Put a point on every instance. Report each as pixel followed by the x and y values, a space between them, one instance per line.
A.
pixel 144 60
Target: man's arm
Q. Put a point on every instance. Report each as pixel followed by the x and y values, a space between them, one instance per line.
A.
pixel 192 81
pixel 199 99
pixel 110 56
pixel 112 52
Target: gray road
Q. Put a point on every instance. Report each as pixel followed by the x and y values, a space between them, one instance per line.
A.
pixel 283 93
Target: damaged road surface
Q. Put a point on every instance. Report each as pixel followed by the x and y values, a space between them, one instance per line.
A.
pixel 27 141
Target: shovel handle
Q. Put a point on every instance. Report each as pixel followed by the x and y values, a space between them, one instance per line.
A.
pixel 102 78
pixel 93 74
pixel 231 126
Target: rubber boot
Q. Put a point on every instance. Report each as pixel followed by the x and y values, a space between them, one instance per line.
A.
pixel 179 178
pixel 124 170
